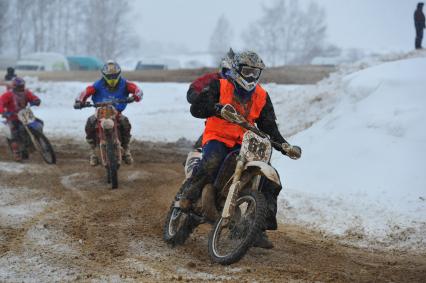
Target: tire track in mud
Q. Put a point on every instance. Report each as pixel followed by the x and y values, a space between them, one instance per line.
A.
pixel 87 232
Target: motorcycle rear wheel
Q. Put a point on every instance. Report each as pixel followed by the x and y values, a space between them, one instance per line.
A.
pixel 177 226
pixel 230 239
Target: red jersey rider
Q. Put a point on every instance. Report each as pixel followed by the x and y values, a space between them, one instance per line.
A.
pixel 11 102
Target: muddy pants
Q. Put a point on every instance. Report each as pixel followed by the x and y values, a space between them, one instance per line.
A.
pixel 124 128
pixel 14 126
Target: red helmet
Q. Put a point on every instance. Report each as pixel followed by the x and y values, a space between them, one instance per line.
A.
pixel 18 84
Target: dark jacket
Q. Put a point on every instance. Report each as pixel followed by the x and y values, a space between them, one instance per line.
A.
pixel 419 18
pixel 205 108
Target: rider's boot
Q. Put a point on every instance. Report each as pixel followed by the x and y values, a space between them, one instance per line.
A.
pixel 16 152
pixel 208 199
pixel 93 157
pixel 190 191
pixel 263 241
pixel 127 156
pixel 184 202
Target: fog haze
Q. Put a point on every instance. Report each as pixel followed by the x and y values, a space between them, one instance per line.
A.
pixel 372 25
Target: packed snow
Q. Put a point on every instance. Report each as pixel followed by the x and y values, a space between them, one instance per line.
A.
pixel 361 177
pixel 362 174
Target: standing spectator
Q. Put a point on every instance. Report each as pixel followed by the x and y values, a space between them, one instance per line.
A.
pixel 419 23
pixel 10 74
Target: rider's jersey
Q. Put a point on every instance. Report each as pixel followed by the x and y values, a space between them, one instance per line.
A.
pixel 226 132
pixel 100 92
pixel 14 102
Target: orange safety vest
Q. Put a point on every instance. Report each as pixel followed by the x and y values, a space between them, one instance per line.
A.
pixel 228 133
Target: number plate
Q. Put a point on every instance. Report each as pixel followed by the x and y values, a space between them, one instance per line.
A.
pixel 255 148
pixel 26 116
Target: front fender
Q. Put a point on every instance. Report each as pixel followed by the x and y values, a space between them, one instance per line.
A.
pixel 37 125
pixel 266 170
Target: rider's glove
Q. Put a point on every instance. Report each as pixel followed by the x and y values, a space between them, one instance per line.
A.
pixel 217 108
pixel 292 151
pixel 6 114
pixel 130 99
pixel 78 104
pixel 35 102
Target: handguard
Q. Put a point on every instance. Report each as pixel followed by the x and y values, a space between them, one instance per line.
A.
pixel 292 151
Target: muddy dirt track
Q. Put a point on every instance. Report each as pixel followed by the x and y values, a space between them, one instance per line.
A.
pixel 80 230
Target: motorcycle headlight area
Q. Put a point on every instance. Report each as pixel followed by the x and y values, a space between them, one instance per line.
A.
pixel 105 112
pixel 256 148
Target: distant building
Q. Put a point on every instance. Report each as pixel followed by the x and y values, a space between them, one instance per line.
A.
pixel 43 61
pixel 84 63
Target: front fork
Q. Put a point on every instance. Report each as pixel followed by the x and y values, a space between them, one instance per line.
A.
pixel 104 135
pixel 234 190
pixel 30 134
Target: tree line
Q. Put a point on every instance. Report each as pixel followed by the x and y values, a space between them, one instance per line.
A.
pixel 286 33
pixel 97 27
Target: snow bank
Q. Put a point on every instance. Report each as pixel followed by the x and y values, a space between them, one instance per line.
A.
pixel 362 174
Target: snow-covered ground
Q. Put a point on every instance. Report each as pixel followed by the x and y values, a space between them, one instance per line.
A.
pixel 162 115
pixel 361 176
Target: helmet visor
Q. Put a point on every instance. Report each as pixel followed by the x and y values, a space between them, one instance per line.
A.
pixel 250 72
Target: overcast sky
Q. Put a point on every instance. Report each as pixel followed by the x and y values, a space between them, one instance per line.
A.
pixel 373 25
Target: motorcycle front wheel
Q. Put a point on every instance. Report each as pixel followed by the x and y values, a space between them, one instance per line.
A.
pixel 231 238
pixel 44 147
pixel 112 164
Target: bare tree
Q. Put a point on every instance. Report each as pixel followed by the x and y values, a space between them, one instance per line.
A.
pixel 4 6
pixel 287 34
pixel 19 26
pixel 220 40
pixel 107 29
pixel 70 27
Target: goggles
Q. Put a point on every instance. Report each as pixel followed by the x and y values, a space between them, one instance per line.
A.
pixel 112 79
pixel 19 88
pixel 248 72
pixel 112 76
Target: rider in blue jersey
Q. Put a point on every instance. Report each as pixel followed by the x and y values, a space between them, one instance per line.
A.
pixel 110 87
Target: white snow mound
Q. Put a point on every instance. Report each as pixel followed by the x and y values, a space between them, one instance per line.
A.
pixel 362 173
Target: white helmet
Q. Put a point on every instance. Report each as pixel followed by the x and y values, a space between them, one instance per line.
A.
pixel 246 69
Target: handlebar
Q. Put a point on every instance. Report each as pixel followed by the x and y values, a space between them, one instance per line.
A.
pixel 100 104
pixel 7 114
pixel 229 113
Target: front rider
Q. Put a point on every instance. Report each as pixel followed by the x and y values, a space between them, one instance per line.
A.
pixel 11 102
pixel 110 87
pixel 241 89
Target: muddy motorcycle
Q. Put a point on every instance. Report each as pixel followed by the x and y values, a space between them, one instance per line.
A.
pixel 31 137
pixel 108 137
pixel 238 195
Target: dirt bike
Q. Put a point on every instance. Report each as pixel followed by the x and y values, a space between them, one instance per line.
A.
pixel 31 137
pixel 238 196
pixel 108 137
